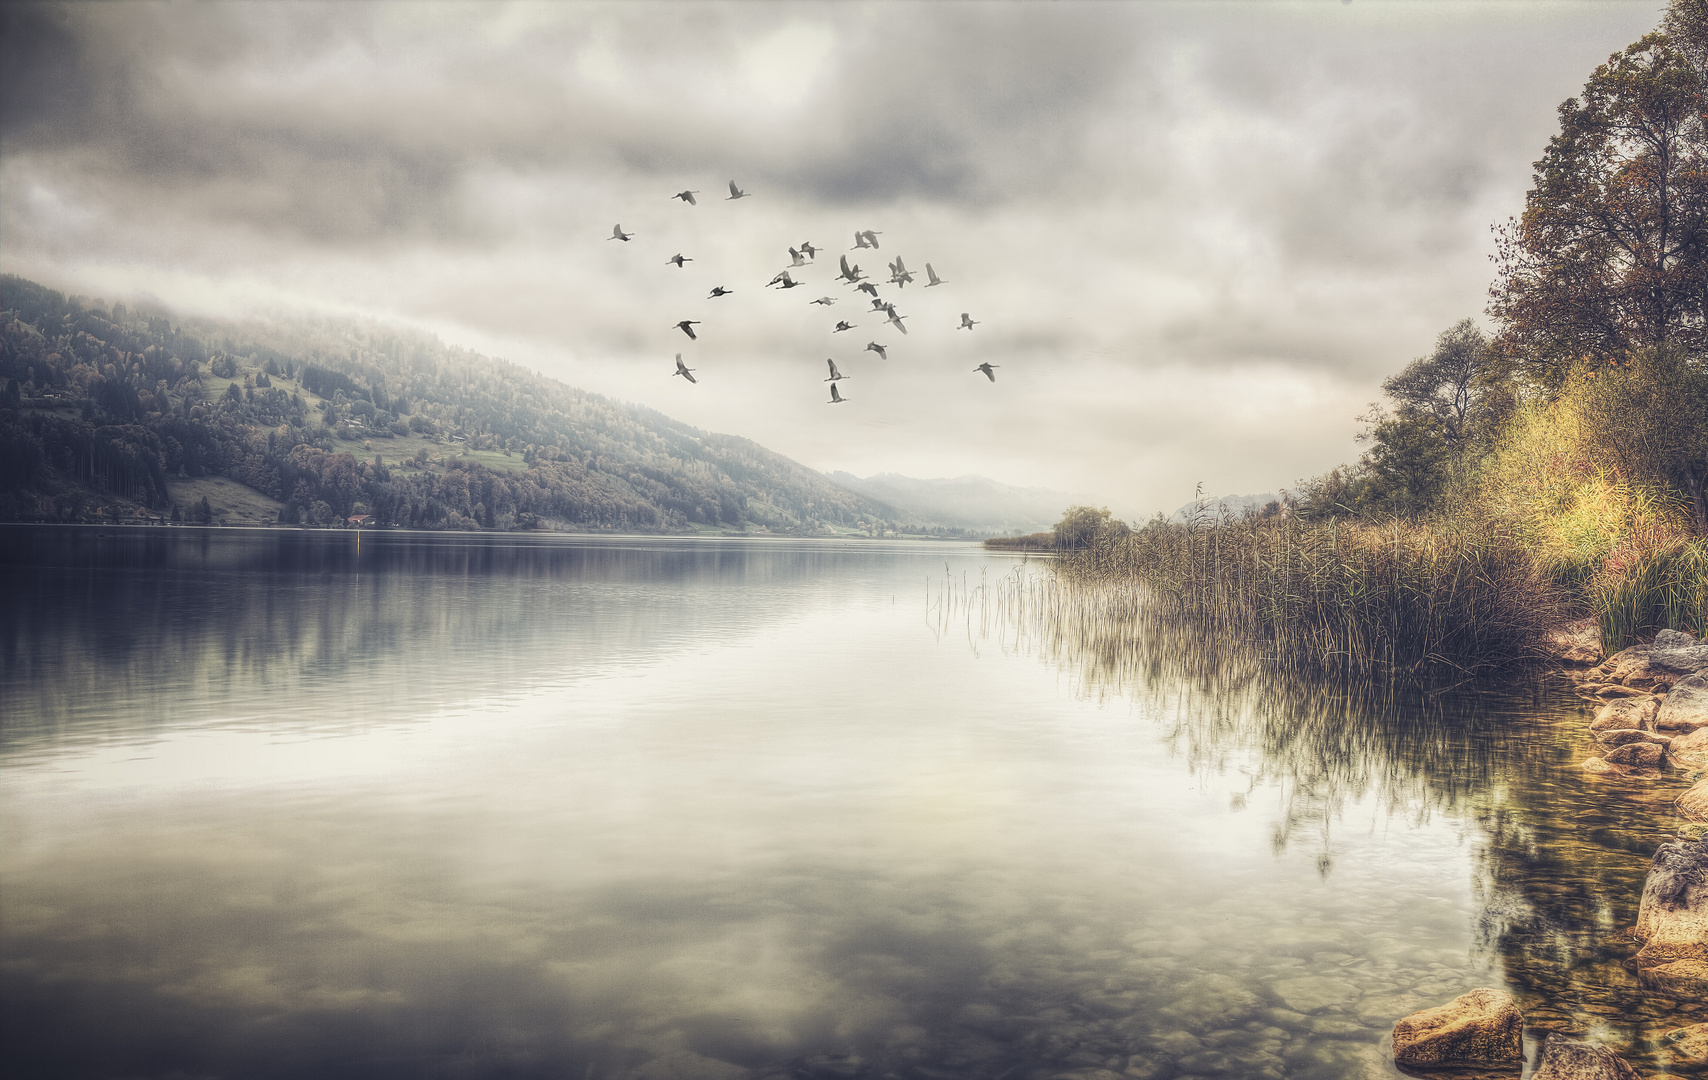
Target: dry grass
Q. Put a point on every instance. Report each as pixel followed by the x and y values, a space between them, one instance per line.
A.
pixel 1353 597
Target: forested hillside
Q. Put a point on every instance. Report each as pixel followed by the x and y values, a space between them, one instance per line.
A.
pixel 106 412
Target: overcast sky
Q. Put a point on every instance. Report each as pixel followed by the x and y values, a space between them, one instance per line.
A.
pixel 1195 237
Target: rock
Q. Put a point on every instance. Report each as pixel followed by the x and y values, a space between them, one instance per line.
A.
pixel 1677 653
pixel 1621 736
pixel 1657 666
pixel 1637 755
pixel 1597 767
pixel 1692 745
pixel 1693 804
pixel 1614 689
pixel 1568 1059
pixel 1575 643
pixel 1686 705
pixel 1481 1028
pixel 1686 1045
pixel 1626 664
pixel 1672 917
pixel 1632 712
pixel 1686 980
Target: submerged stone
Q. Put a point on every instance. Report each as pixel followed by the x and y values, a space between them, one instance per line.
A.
pixel 1672 917
pixel 1686 1045
pixel 1596 766
pixel 1637 755
pixel 1313 992
pixel 1693 804
pixel 1479 1028
pixel 1686 980
pixel 1568 1059
pixel 1621 736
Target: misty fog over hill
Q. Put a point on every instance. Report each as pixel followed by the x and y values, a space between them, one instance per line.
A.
pixel 974 503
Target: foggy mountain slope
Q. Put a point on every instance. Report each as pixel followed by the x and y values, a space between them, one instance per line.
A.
pixel 975 503
pixel 335 417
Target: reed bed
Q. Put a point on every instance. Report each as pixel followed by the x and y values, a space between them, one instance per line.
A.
pixel 1648 588
pixel 1353 597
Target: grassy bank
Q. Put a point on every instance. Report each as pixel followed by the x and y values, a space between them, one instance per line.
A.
pixel 1463 553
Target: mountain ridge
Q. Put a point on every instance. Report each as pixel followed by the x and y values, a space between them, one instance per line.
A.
pixel 103 403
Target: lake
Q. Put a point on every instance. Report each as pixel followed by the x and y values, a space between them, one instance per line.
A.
pixel 291 804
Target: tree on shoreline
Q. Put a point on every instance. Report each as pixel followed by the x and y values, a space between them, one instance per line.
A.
pixel 1611 253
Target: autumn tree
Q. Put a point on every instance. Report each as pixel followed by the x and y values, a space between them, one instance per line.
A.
pixel 1646 418
pixel 1611 253
pixel 1460 384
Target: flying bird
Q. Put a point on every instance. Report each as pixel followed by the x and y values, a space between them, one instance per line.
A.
pixel 687 327
pixel 895 320
pixel 989 370
pixel 851 274
pixel 795 258
pixel 687 197
pixel 878 305
pixel 836 397
pixel 735 192
pixel 617 233
pixel 867 287
pixel 812 252
pixel 684 370
pixel 782 278
pixel 825 300
pixel 843 325
pixel 865 239
pixel 872 346
pixel 678 259
pixel 898 273
pixel 932 275
pixel 717 291
pixel 834 374
pixel 967 322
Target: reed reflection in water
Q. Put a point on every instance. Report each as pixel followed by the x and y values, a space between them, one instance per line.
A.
pixel 493 806
pixel 1559 858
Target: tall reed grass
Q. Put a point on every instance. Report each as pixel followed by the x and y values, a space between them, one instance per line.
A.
pixel 1352 596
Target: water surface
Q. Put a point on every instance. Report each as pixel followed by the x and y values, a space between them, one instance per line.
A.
pixel 489 806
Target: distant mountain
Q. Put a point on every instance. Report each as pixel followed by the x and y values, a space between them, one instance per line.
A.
pixel 107 411
pixel 1230 505
pixel 971 503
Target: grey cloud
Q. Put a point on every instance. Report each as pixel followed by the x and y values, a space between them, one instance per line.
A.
pixel 42 81
pixel 1119 189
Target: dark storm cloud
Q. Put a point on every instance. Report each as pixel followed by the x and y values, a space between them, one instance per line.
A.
pixel 257 116
pixel 42 81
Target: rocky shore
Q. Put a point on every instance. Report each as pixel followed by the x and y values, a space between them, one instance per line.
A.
pixel 1651 720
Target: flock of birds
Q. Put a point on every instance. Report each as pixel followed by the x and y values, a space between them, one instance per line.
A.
pixel 804 257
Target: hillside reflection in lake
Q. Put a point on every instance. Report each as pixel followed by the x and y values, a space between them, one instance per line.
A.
pixel 488 806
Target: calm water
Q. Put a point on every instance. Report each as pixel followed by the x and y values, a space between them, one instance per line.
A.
pixel 542 807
